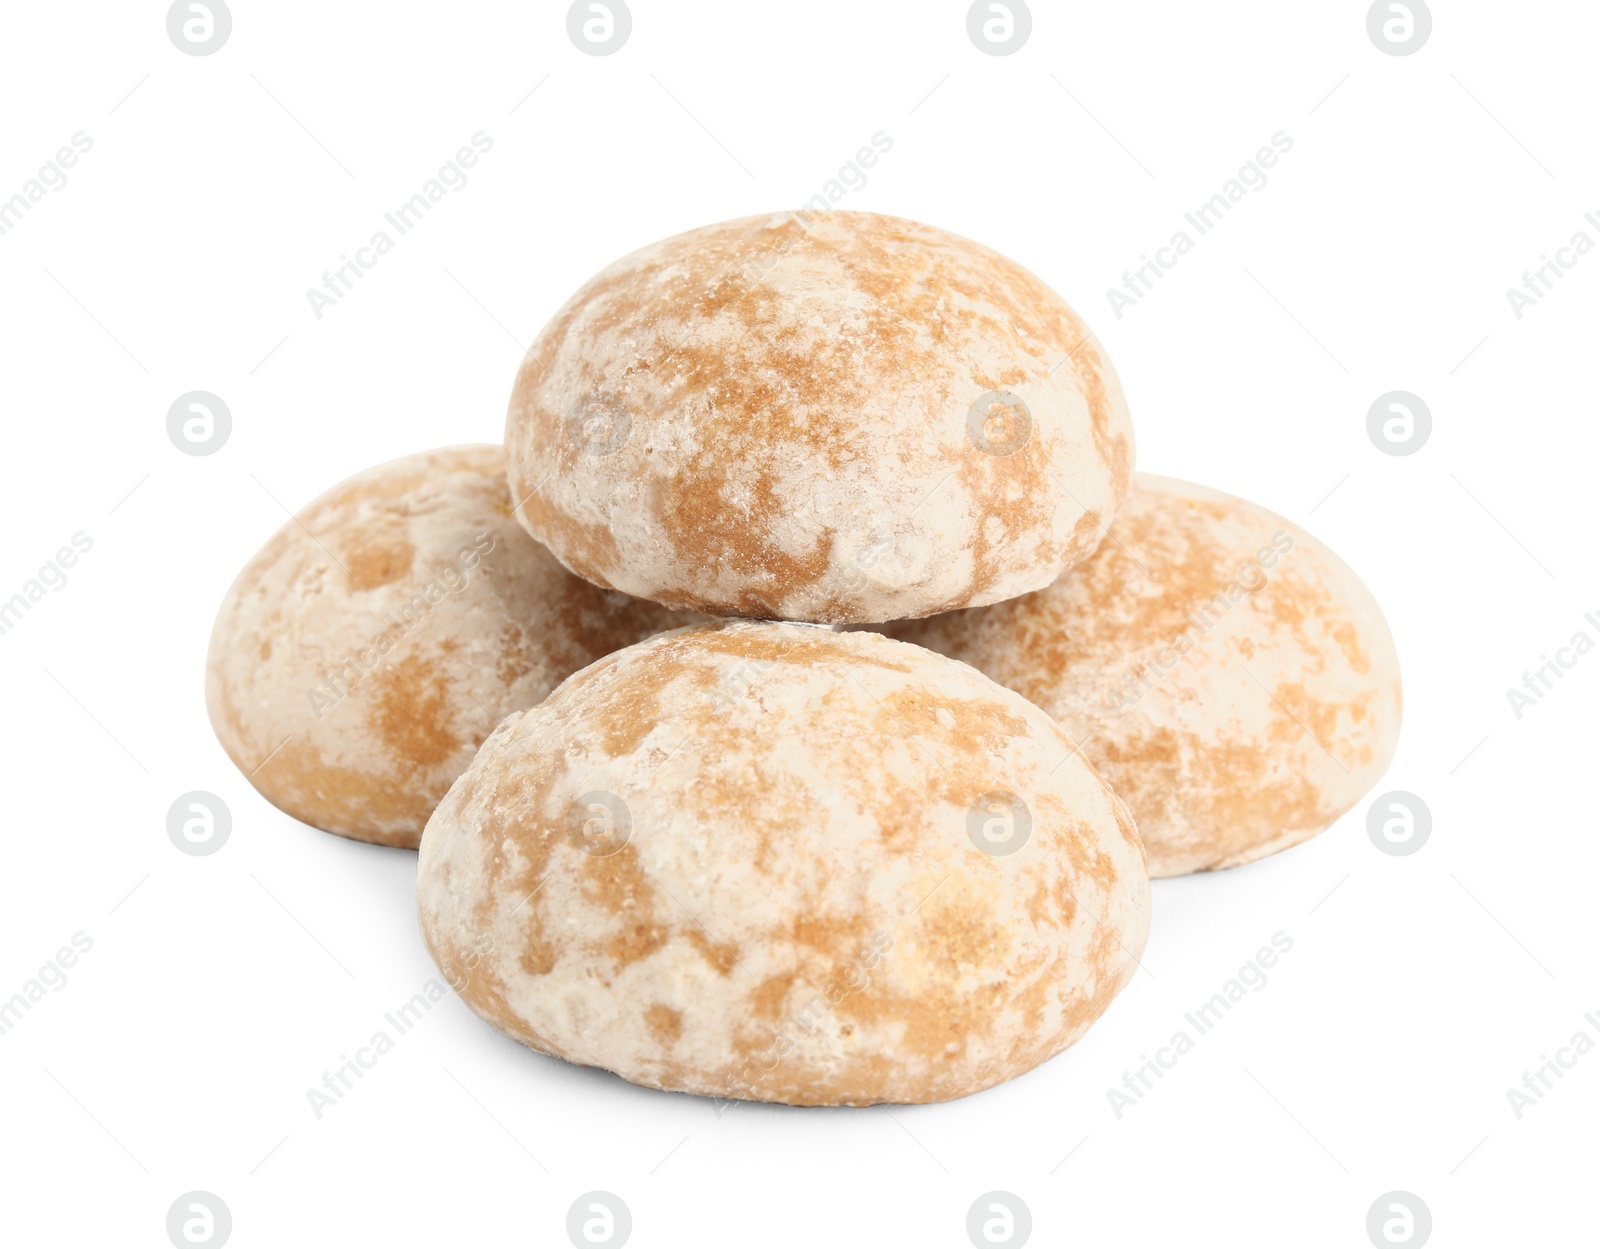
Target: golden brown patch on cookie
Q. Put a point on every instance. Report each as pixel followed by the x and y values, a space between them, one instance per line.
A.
pixel 414 711
pixel 539 955
pixel 956 928
pixel 768 997
pixel 1125 821
pixel 588 549
pixel 1311 716
pixel 515 653
pixel 1349 638
pixel 1115 449
pixel 936 1025
pixel 708 529
pixel 378 557
pixel 1020 499
pixel 723 955
pixel 302 781
pixel 617 882
pixel 665 1024
pixel 637 709
pixel 1237 800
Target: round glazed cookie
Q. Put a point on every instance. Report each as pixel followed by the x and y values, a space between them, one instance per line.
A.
pixel 1225 671
pixel 364 653
pixel 781 863
pixel 837 417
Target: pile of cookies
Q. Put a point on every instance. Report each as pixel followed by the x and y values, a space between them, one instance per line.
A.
pixel 798 706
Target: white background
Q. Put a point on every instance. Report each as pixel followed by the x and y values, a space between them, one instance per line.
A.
pixel 219 989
